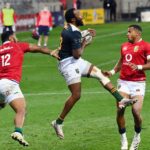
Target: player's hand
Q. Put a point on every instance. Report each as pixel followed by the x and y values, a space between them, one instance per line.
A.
pixel 107 73
pixel 54 53
pixel 85 42
pixel 50 28
pixel 92 32
pixel 37 29
pixel 132 66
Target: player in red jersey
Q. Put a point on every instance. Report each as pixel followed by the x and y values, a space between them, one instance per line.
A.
pixel 11 59
pixel 134 60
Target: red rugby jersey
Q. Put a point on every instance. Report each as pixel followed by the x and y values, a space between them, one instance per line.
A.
pixel 11 59
pixel 135 53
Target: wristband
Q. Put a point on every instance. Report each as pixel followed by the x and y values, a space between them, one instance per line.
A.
pixel 139 67
pixel 112 71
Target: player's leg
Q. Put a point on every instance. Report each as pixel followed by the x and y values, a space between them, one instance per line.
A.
pixel 10 29
pixel 136 111
pixel 12 95
pixel 40 40
pixel 95 72
pixel 121 124
pixel 40 30
pixel 5 28
pixel 19 106
pixel 46 32
pixel 75 90
pixel 73 78
pixel 45 40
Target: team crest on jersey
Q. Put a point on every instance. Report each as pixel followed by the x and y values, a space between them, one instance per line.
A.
pixel 125 48
pixel 136 48
pixel 77 70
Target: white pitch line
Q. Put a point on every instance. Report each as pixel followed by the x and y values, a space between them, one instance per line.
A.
pixel 111 34
pixel 101 64
pixel 61 93
pixel 107 63
pixel 66 93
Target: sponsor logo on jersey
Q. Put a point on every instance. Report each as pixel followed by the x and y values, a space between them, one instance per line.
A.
pixel 6 48
pixel 136 48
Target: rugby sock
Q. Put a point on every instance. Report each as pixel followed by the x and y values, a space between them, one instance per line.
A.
pixel 137 129
pixel 18 130
pixel 59 121
pixel 116 94
pixel 122 130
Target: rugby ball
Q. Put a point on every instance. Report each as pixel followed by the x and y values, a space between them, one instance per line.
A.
pixel 35 34
pixel 85 34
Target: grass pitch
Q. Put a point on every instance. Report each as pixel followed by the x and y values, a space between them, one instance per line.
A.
pixel 91 124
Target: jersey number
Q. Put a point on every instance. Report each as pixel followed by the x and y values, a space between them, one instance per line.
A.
pixel 5 60
pixel 128 57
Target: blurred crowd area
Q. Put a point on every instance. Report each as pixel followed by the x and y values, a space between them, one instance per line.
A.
pixel 33 6
pixel 26 10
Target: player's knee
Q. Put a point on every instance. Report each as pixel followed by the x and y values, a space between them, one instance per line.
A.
pixel 136 113
pixel 97 73
pixel 120 112
pixel 76 96
pixel 21 111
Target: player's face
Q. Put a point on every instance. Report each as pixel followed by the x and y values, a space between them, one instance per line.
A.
pixel 132 34
pixel 12 38
pixel 78 17
pixel 7 5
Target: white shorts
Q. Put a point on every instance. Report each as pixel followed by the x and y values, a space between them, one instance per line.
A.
pixel 9 90
pixel 72 69
pixel 133 88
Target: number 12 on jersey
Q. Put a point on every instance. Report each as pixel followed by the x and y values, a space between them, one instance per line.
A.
pixel 5 60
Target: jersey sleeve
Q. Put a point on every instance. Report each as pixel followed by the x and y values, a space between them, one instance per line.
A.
pixel 76 40
pixel 24 46
pixel 147 49
pixel 50 20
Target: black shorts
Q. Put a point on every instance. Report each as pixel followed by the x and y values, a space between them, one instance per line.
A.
pixel 43 30
pixel 7 28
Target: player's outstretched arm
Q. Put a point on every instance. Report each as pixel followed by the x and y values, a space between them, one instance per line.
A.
pixel 140 67
pixel 44 50
pixel 114 70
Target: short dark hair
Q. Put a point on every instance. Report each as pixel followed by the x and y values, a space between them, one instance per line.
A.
pixel 69 15
pixel 137 27
pixel 5 36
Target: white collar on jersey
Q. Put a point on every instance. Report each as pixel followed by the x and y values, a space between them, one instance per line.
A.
pixel 6 42
pixel 140 40
pixel 74 28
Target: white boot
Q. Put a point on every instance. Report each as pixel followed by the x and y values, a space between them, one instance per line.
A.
pixel 58 129
pixel 135 142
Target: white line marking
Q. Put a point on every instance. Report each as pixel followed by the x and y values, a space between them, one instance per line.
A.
pixel 50 65
pixel 66 93
pixel 111 34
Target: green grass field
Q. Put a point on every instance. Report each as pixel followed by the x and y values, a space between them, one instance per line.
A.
pixel 91 125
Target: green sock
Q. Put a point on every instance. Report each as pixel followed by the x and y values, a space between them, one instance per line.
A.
pixel 59 121
pixel 116 94
pixel 18 130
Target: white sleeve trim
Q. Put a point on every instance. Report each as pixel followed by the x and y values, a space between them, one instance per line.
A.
pixel 148 57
